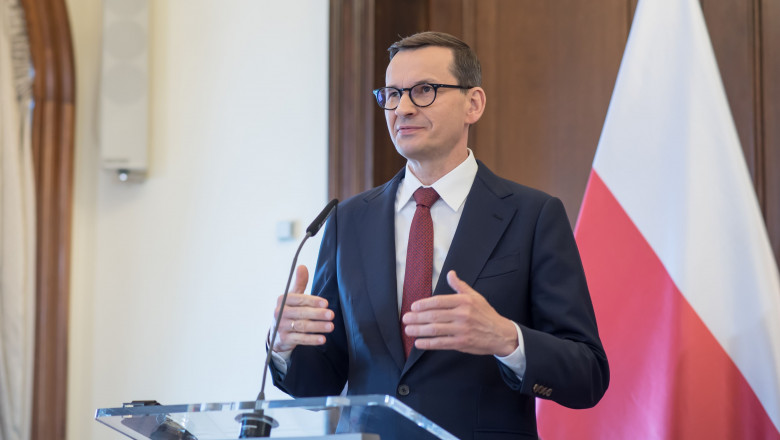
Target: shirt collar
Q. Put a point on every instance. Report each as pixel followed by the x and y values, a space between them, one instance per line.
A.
pixel 453 187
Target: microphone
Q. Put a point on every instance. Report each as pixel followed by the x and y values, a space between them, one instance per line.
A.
pixel 256 424
pixel 315 226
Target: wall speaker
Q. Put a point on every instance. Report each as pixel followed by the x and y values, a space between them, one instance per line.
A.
pixel 124 89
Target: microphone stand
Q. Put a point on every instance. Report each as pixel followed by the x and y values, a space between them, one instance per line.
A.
pixel 257 424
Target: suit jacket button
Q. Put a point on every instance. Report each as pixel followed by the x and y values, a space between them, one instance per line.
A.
pixel 403 390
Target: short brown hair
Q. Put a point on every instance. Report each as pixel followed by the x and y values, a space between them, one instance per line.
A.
pixel 465 66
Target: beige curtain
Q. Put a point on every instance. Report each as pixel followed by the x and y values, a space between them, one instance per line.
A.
pixel 17 227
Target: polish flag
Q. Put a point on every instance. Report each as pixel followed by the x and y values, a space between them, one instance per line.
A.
pixel 682 277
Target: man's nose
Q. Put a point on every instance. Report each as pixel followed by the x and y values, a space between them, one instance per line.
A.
pixel 405 105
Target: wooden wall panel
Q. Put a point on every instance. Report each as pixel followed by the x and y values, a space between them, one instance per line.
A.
pixel 549 70
pixel 769 68
pixel 350 135
pixel 394 20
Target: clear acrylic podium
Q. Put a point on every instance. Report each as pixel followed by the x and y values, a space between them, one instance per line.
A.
pixel 366 417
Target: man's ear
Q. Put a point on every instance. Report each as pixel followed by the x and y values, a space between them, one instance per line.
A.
pixel 476 104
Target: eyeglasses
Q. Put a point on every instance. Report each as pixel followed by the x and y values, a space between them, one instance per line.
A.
pixel 422 95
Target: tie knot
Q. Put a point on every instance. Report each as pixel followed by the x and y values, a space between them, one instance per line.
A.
pixel 425 196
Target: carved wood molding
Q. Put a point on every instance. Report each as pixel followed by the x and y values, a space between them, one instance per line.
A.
pixel 52 142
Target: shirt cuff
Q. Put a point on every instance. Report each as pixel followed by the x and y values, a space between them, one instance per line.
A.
pixel 280 359
pixel 515 361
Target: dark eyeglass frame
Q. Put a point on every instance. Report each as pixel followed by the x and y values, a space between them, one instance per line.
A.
pixel 436 88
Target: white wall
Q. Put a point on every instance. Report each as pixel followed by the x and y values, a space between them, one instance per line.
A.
pixel 174 279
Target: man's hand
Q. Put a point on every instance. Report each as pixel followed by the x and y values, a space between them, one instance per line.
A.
pixel 305 317
pixel 463 321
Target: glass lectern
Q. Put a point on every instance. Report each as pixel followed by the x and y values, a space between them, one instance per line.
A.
pixel 367 417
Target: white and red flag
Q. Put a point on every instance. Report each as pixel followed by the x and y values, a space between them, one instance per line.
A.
pixel 682 276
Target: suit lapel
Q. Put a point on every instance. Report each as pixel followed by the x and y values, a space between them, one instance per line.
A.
pixel 377 245
pixel 485 218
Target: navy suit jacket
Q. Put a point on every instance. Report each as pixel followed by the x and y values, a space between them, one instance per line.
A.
pixel 513 245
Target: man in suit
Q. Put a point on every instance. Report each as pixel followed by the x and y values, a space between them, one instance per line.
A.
pixel 510 317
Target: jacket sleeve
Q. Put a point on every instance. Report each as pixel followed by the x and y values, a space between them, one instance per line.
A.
pixel 565 360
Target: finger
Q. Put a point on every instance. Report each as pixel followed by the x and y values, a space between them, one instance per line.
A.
pixel 301 279
pixel 427 315
pixel 437 302
pixel 303 300
pixel 439 343
pixel 307 339
pixel 431 330
pixel 307 326
pixel 466 343
pixel 307 313
pixel 458 285
pixel 289 341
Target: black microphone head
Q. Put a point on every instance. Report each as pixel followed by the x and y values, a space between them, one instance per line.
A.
pixel 315 226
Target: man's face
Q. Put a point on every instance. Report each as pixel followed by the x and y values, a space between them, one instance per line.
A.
pixel 427 133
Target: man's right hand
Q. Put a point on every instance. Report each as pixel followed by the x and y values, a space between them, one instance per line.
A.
pixel 305 317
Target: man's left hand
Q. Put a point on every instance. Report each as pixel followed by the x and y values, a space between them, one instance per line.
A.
pixel 464 321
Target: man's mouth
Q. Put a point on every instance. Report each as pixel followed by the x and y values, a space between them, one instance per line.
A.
pixel 407 129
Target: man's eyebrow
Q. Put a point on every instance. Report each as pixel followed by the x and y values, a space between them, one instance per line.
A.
pixel 422 81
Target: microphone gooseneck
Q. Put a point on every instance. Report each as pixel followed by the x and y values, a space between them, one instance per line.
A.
pixel 311 231
pixel 261 395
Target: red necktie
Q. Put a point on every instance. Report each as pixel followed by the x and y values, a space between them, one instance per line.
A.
pixel 419 257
